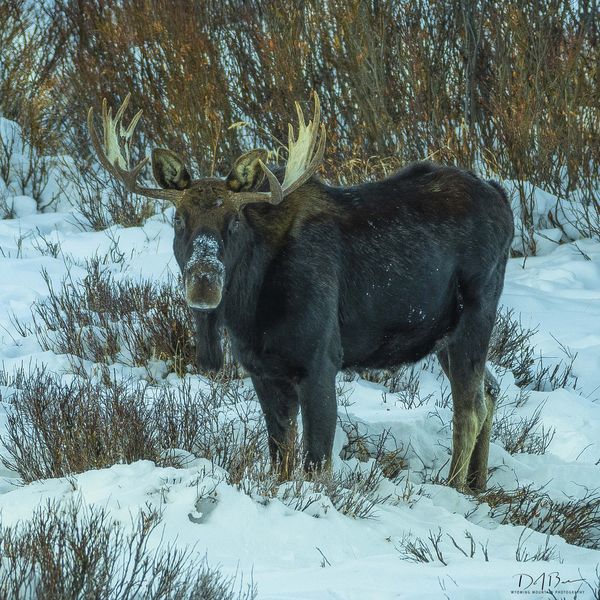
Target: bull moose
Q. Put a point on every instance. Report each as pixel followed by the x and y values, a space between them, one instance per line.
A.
pixel 309 279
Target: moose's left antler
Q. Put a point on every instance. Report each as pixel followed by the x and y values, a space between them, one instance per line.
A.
pixel 305 155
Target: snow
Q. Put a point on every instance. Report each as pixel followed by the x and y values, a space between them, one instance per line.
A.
pixel 321 553
pixel 21 206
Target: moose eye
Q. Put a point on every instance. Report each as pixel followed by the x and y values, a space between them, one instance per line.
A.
pixel 234 224
pixel 179 223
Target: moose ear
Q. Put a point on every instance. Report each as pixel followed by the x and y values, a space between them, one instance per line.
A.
pixel 247 173
pixel 169 171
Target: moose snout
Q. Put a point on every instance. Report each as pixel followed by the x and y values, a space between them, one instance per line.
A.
pixel 203 288
pixel 204 274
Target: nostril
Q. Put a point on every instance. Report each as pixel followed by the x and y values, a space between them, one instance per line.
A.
pixel 203 287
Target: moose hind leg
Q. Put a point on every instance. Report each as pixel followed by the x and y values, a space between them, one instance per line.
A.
pixel 477 474
pixel 465 417
pixel 466 356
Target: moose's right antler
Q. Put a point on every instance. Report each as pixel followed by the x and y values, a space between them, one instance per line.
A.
pixel 114 153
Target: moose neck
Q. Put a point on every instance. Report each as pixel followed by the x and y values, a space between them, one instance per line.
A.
pixel 261 237
pixel 245 279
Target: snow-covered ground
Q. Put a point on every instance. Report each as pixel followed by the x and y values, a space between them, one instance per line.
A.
pixel 321 553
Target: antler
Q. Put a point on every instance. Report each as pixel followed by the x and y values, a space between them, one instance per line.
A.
pixel 305 155
pixel 114 154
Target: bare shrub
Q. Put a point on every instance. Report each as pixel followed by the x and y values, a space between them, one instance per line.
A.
pixel 32 49
pixel 522 434
pixel 32 42
pixel 105 321
pixel 356 493
pixel 46 246
pixel 102 202
pixel 233 436
pixel 595 586
pixel 415 549
pixel 545 552
pixel 402 383
pixel 72 552
pixel 470 548
pixel 510 347
pixel 25 171
pixel 390 379
pixel 353 492
pixel 466 84
pixel 548 377
pixel 577 520
pixel 223 424
pixel 56 427
pixel 357 170
pixel 364 446
pixel 458 93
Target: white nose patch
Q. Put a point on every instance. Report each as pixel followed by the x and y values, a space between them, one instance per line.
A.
pixel 205 262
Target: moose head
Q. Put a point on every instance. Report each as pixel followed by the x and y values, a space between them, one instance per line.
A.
pixel 209 211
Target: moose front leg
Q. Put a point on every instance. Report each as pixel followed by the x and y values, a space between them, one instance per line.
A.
pixel 319 414
pixel 208 334
pixel 279 402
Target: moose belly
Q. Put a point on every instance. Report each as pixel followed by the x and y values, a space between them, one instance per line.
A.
pixel 382 343
pixel 392 348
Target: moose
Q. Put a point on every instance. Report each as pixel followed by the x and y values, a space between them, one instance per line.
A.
pixel 309 279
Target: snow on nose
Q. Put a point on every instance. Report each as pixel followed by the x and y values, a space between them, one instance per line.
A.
pixel 204 274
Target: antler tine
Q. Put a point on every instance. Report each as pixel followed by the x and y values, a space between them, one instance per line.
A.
pixel 305 154
pixel 111 156
pixel 300 150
